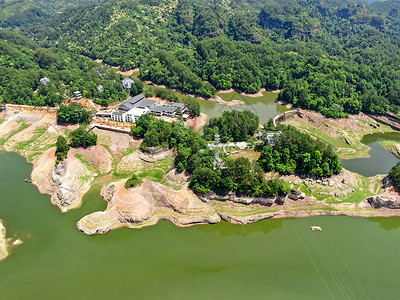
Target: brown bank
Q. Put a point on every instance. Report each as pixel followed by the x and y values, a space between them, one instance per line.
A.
pixel 164 194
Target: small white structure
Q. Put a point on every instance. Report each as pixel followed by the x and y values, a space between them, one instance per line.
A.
pixel 77 95
pixel 127 83
pixel 316 228
pixel 44 80
pixel 100 88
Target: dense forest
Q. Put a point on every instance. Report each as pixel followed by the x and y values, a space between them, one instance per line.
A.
pixel 234 126
pixel 334 56
pixel 297 152
pixel 33 75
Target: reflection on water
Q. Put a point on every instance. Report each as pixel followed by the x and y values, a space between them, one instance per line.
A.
pixel 387 223
pixel 265 106
pixel 380 160
pixel 225 229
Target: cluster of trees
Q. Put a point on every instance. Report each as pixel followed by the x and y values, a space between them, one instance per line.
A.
pixel 394 174
pixel 76 138
pixel 192 154
pixel 73 114
pixel 238 175
pixel 62 149
pixel 233 126
pixel 297 152
pixel 81 137
pixel 133 182
pixel 193 105
pixel 137 88
pixel 166 94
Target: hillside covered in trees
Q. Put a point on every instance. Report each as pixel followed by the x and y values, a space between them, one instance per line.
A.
pixel 334 56
pixel 23 63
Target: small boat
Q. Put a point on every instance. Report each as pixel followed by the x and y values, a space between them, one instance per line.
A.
pixel 316 228
pixel 28 180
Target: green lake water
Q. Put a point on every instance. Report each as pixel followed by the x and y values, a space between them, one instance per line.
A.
pixel 380 160
pixel 352 258
pixel 265 106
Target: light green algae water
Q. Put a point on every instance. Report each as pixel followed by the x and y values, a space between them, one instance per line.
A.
pixel 352 258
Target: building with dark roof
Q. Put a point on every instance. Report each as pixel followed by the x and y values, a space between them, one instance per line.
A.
pixel 133 108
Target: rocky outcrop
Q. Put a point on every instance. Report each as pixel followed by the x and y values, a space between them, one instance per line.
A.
pixel 231 196
pixel 3 242
pixel 42 172
pixel 72 179
pixel 176 177
pixel 66 182
pixel 97 156
pixel 296 194
pixel 384 201
pixel 154 154
pixel 144 206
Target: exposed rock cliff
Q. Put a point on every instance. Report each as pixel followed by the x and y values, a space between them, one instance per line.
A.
pixel 69 181
pixel 384 201
pixel 144 206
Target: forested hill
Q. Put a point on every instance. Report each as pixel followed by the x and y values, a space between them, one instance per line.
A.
pixel 27 12
pixel 333 56
pixel 30 74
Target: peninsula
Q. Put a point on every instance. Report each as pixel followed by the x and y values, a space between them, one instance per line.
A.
pixel 165 193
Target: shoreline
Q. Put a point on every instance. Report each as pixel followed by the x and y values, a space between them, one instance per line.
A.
pixel 179 205
pixel 3 242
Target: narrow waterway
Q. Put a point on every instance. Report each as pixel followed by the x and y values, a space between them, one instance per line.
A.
pixel 380 160
pixel 352 258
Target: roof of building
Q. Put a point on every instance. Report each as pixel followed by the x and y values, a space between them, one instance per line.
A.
pixel 135 98
pixel 131 103
pixel 137 111
pixel 180 105
pixel 145 103
pixel 116 113
pixel 45 80
pixel 127 81
pixel 169 109
pixel 156 109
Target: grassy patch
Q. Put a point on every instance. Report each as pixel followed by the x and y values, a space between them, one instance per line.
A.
pixel 22 126
pixel 252 155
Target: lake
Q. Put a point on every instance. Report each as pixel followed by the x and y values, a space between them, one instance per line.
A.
pixel 352 258
pixel 265 106
pixel 380 160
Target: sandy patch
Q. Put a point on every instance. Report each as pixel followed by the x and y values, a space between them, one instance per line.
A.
pixel 129 72
pixel 219 100
pixel 117 143
pixel 97 156
pixel 197 122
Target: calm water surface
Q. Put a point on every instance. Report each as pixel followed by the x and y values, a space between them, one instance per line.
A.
pixel 352 258
pixel 265 106
pixel 380 160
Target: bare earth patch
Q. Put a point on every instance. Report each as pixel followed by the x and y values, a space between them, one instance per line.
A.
pixel 344 134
